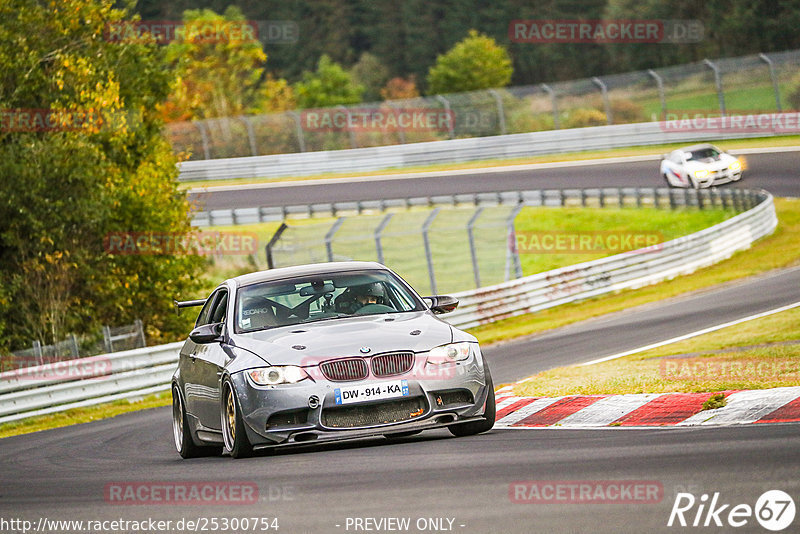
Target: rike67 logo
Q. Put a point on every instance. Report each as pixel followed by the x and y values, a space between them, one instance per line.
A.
pixel 774 510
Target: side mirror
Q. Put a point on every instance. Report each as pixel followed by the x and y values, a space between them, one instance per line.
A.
pixel 441 303
pixel 207 333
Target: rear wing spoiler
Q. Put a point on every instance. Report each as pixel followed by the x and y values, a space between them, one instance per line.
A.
pixel 180 304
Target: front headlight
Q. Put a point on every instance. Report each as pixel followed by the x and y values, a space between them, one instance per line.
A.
pixel 277 374
pixel 735 166
pixel 454 352
pixel 702 173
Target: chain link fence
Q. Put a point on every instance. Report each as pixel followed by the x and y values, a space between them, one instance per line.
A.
pixel 449 246
pixel 750 84
pixel 108 339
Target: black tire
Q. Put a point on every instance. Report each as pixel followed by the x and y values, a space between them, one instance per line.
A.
pixel 180 431
pixel 233 430
pixel 476 427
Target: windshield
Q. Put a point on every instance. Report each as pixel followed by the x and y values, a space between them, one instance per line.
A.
pixel 320 297
pixel 703 153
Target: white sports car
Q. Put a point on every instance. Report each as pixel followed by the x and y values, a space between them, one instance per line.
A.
pixel 700 166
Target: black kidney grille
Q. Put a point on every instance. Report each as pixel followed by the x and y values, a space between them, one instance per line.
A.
pixel 396 363
pixel 344 370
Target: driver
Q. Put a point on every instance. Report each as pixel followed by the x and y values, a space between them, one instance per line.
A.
pixel 369 294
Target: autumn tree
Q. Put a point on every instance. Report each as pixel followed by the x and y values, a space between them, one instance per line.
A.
pixel 218 74
pixel 400 89
pixel 477 62
pixel 329 85
pixel 81 157
pixel 370 73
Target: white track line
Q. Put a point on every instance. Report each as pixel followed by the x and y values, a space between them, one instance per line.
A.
pixel 693 334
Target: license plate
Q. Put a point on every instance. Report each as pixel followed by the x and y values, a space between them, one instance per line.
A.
pixel 368 392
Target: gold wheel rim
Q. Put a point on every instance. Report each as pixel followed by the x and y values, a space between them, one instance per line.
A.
pixel 230 413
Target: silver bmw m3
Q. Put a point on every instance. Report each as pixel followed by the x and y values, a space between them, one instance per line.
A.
pixel 324 352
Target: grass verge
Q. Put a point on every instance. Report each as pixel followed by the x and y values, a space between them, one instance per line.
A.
pixel 650 150
pixel 404 249
pixel 776 251
pixel 758 354
pixel 83 415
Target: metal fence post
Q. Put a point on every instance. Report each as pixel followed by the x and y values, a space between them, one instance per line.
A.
pixel 775 88
pixel 329 237
pixel 37 351
pixel 301 140
pixel 718 81
pixel 472 250
pixel 554 103
pixel 446 103
pixel 426 243
pixel 273 240
pixel 74 345
pixel 350 133
pixel 660 84
pixel 251 137
pixel 501 116
pixel 603 89
pixel 109 344
pixel 378 231
pixel 140 330
pixel 401 132
pixel 512 254
pixel 204 138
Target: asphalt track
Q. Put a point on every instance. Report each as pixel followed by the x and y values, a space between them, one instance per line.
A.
pixel 777 172
pixel 61 474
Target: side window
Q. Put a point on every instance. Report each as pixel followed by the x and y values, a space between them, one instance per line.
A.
pixel 205 313
pixel 209 311
pixel 220 308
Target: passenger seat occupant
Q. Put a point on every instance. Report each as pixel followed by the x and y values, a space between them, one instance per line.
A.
pixel 256 314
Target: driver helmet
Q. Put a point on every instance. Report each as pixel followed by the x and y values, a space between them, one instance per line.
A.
pixel 374 289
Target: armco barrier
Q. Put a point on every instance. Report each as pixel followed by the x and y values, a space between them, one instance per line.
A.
pixel 593 197
pixel 622 271
pixel 83 382
pixel 473 149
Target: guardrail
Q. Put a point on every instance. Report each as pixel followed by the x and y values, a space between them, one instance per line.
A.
pixel 622 271
pixel 484 148
pixel 84 382
pixel 590 197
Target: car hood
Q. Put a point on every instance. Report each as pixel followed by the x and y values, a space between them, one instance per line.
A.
pixel 711 164
pixel 308 344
